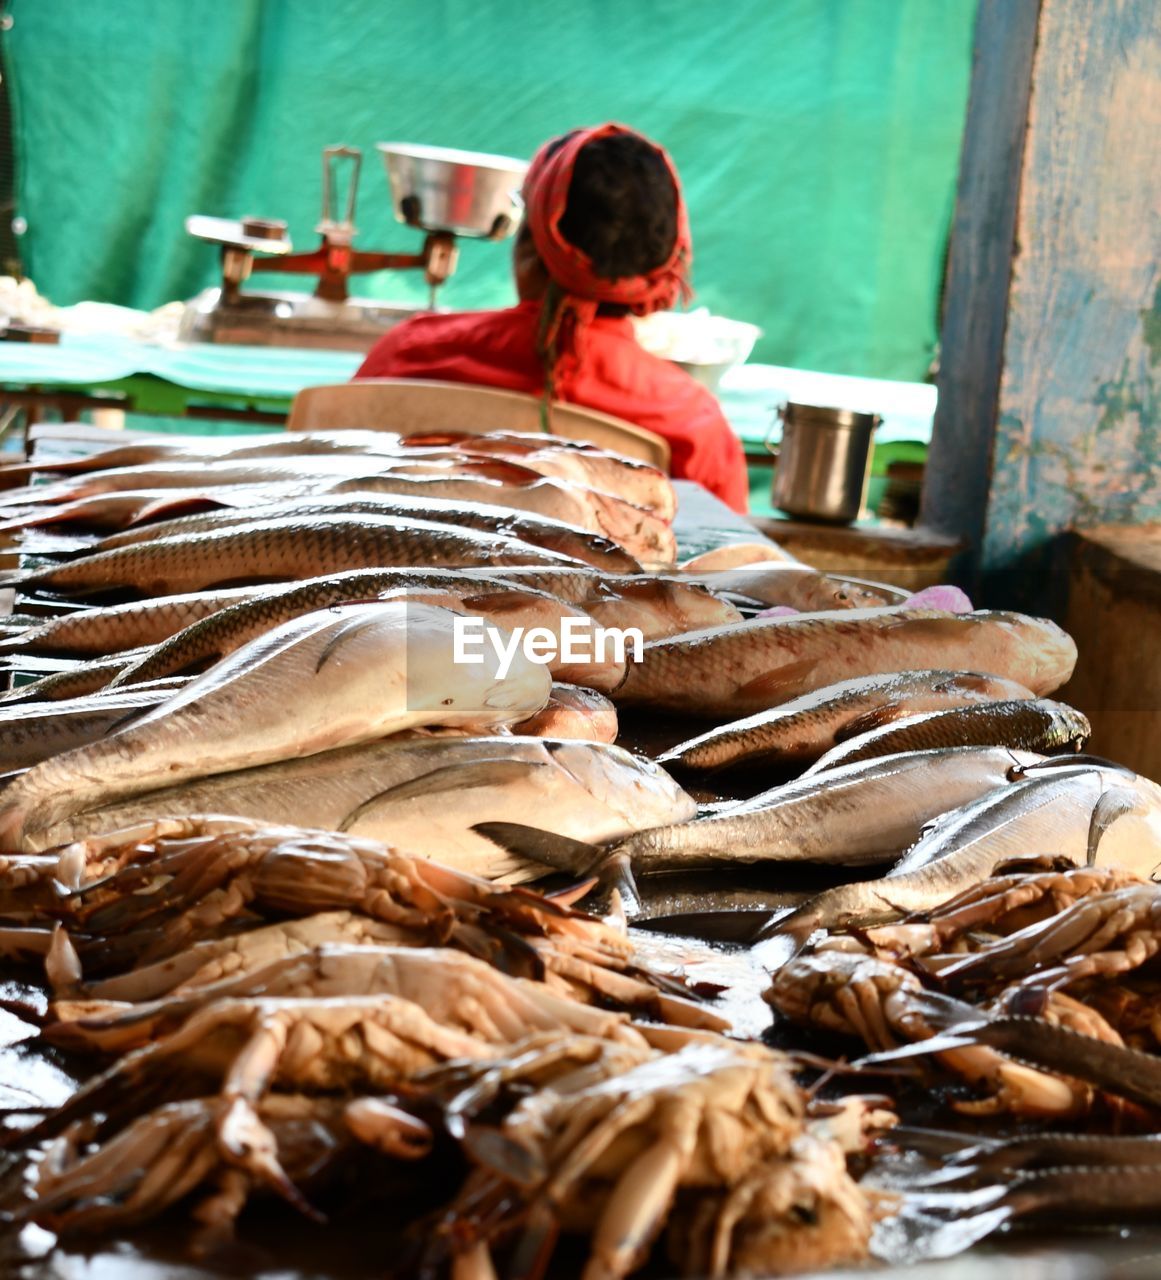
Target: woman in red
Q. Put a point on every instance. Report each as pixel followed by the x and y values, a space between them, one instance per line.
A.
pixel 605 235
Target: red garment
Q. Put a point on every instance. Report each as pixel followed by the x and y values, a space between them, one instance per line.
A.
pixel 615 376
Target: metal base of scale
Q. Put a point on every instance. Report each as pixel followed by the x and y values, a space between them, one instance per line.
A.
pixel 290 320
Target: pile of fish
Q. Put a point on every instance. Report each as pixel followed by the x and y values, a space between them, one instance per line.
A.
pixel 266 632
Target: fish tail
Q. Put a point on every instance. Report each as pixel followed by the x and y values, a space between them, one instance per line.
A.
pixel 548 848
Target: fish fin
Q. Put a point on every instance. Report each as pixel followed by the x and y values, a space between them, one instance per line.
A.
pixel 347 631
pixel 876 718
pixel 483 773
pixel 1114 803
pixel 498 469
pixel 944 627
pixel 550 849
pixel 171 508
pixel 497 601
pixel 124 721
pixel 771 684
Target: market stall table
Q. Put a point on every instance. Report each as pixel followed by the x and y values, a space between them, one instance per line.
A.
pixel 257 384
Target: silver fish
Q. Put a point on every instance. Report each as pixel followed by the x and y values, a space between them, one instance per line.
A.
pixel 426 795
pixel 339 676
pixel 1083 812
pixel 862 814
pixel 805 728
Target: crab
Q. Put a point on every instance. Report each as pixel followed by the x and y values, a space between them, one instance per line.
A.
pixel 170 1152
pixel 179 881
pixel 1102 936
pixel 250 1046
pixel 855 993
pixel 1001 904
pixel 1132 1007
pixel 615 1157
pixel 214 959
pixel 455 989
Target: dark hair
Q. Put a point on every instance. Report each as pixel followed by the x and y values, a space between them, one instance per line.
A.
pixel 622 206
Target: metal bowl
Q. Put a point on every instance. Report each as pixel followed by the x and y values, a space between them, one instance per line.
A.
pixel 441 189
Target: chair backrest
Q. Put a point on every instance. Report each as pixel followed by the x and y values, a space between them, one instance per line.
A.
pixel 419 405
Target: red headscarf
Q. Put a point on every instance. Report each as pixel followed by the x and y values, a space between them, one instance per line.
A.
pixel 580 289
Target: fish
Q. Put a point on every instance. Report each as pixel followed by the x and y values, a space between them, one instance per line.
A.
pixel 85 678
pixel 657 604
pixel 327 679
pixel 580 461
pixel 572 712
pixel 108 512
pixel 497 603
pixel 196 473
pixel 272 550
pixel 751 666
pixel 30 734
pixel 570 540
pixel 157 449
pixel 424 795
pixel 102 631
pixel 1038 724
pixel 501 603
pixel 860 815
pixel 797 586
pixel 801 730
pixel 644 534
pixel 1085 813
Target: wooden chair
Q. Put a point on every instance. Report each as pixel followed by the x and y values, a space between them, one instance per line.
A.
pixel 419 405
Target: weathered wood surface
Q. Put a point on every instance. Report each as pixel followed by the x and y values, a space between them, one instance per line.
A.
pixel 959 462
pixel 1074 434
pixel 1114 614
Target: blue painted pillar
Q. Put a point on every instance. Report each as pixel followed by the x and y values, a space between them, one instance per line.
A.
pixel 1049 414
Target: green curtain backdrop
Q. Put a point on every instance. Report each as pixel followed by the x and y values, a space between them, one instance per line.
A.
pixel 818 139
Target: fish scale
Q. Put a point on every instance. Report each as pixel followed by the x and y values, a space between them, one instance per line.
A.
pixel 806 727
pixel 222 632
pixel 758 664
pixel 543 531
pixel 1036 725
pixel 282 549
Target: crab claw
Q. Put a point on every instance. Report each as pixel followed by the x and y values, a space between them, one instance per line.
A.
pixel 246 1142
pixel 388 1129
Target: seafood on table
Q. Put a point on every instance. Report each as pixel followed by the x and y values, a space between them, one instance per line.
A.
pixel 258 1058
pixel 798 732
pixel 748 667
pixel 428 793
pixel 357 672
pixel 268 845
pixel 1088 814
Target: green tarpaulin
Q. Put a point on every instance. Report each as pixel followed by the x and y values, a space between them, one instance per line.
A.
pixel 818 139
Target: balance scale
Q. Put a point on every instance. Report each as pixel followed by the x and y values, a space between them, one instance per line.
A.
pixel 445 193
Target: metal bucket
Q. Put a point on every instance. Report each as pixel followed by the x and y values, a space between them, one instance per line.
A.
pixel 824 462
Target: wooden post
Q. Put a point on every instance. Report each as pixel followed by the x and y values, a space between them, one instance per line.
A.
pixel 1049 414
